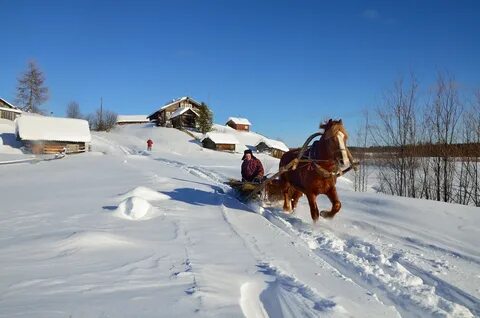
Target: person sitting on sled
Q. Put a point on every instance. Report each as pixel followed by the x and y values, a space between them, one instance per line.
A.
pixel 252 168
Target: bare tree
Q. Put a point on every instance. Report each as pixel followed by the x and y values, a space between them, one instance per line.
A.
pixel 469 183
pixel 397 129
pixel 102 120
pixel 361 174
pixel 73 110
pixel 444 115
pixel 31 92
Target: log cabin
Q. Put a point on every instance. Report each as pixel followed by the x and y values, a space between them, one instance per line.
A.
pixel 8 111
pixel 179 113
pixel 272 147
pixel 241 124
pixel 220 142
pixel 42 135
pixel 131 119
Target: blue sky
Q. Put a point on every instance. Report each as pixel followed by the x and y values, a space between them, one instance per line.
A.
pixel 285 65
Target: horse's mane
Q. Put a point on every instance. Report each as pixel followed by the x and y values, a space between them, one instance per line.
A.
pixel 332 127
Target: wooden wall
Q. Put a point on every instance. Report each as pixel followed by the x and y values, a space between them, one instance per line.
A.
pixel 208 143
pixel 51 147
pixel 277 153
pixel 238 126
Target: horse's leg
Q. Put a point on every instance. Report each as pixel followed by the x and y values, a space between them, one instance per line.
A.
pixel 296 196
pixel 287 203
pixel 336 205
pixel 312 201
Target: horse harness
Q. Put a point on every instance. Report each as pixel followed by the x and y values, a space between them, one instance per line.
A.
pixel 305 156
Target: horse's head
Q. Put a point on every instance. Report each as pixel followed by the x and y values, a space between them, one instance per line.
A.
pixel 333 143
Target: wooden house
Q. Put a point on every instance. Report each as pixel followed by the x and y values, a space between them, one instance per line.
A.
pixel 8 111
pixel 220 141
pixel 131 119
pixel 179 113
pixel 274 148
pixel 42 134
pixel 184 117
pixel 241 124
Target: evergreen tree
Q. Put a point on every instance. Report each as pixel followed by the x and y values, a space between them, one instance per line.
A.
pixel 205 119
pixel 31 92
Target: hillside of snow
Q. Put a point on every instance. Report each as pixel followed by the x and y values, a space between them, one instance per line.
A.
pixel 123 232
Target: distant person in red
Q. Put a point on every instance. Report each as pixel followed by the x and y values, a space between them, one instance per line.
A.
pixel 149 144
pixel 252 168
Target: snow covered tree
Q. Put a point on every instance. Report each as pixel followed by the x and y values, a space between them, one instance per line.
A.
pixel 73 110
pixel 205 119
pixel 31 91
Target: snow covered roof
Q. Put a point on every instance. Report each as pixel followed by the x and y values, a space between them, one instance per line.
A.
pixel 8 104
pixel 11 110
pixel 274 144
pixel 182 110
pixel 237 120
pixel 220 138
pixel 174 101
pixel 52 129
pixel 132 118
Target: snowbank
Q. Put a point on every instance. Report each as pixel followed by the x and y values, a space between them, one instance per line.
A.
pixel 145 193
pixel 134 208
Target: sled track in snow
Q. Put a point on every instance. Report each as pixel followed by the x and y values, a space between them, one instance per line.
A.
pixel 392 278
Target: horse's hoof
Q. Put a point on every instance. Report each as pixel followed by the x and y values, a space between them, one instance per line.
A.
pixel 326 214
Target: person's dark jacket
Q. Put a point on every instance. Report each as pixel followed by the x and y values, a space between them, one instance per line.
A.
pixel 252 169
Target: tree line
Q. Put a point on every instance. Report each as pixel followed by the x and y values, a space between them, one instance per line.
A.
pixel 423 147
pixel 32 93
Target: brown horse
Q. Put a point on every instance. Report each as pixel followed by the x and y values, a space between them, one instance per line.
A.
pixel 317 173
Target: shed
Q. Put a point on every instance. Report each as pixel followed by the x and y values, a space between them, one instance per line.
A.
pixel 220 141
pixel 131 119
pixel 273 147
pixel 8 111
pixel 241 124
pixel 52 134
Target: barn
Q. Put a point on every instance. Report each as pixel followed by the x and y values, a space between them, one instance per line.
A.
pixel 179 113
pixel 8 111
pixel 52 134
pixel 131 119
pixel 272 147
pixel 241 124
pixel 220 141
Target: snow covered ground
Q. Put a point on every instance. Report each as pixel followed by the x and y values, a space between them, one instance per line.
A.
pixel 122 232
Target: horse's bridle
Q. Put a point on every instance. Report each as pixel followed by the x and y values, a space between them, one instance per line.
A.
pixel 316 162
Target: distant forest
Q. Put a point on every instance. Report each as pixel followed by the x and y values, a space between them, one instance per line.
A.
pixel 422 143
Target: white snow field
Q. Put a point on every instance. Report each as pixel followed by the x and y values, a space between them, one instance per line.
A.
pixel 122 232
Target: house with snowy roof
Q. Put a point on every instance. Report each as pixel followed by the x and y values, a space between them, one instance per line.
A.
pixel 272 147
pixel 178 113
pixel 237 123
pixel 220 141
pixel 132 119
pixel 42 134
pixel 8 110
